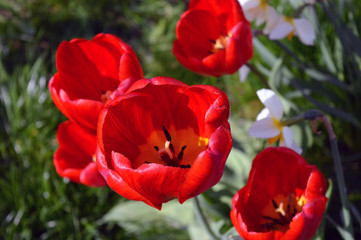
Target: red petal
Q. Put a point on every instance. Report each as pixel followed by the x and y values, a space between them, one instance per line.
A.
pixel 86 69
pixel 90 176
pixel 73 159
pixel 239 48
pixel 229 12
pixel 207 169
pixel 304 225
pixel 82 111
pixel 192 63
pixel 155 182
pixel 116 183
pixel 196 30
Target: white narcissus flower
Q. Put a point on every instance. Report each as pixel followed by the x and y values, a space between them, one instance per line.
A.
pixel 268 124
pixel 255 10
pixel 285 26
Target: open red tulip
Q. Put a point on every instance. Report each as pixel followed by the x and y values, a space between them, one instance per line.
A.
pixel 75 157
pixel 213 37
pixel 88 72
pixel 164 139
pixel 284 198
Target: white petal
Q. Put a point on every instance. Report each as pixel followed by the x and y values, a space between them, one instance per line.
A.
pixel 272 19
pixel 248 4
pixel 287 136
pixel 263 128
pixel 264 114
pixel 281 30
pixel 243 73
pixel 305 31
pixel 296 148
pixel 271 101
pixel 251 14
pixel 261 16
pixel 287 140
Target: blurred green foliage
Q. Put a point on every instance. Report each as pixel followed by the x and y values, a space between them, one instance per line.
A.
pixel 38 204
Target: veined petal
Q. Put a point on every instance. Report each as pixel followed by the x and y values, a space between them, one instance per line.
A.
pixel 305 31
pixel 116 183
pixel 202 171
pixel 272 102
pixel 264 128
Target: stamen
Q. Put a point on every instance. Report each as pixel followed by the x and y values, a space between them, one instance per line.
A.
pixel 167 154
pixel 185 166
pixel 274 204
pixel 180 155
pixel 166 133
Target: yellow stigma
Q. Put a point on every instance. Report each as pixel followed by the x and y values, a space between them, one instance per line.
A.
pixel 280 209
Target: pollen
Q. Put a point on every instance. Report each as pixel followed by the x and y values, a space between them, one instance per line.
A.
pixel 220 43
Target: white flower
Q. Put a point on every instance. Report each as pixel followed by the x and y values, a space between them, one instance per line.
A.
pixel 255 10
pixel 268 124
pixel 285 26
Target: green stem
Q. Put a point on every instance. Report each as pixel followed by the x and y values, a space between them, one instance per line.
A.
pixel 293 120
pixel 259 75
pixel 339 173
pixel 202 219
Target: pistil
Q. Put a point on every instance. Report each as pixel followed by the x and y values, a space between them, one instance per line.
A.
pixel 167 154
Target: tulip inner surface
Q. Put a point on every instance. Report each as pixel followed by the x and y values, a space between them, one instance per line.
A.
pixel 171 147
pixel 278 213
pixel 220 43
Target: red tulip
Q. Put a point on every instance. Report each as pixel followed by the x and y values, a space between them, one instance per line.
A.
pixel 284 198
pixel 88 72
pixel 213 37
pixel 163 139
pixel 75 157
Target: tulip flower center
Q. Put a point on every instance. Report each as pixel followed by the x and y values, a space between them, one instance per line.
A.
pixel 175 148
pixel 105 95
pixel 220 43
pixel 278 213
pixel 167 154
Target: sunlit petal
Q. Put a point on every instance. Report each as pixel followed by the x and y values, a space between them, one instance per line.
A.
pixel 271 101
pixel 264 128
pixel 265 113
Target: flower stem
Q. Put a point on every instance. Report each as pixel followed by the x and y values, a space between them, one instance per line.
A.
pixel 293 120
pixel 202 219
pixel 259 75
pixel 338 168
